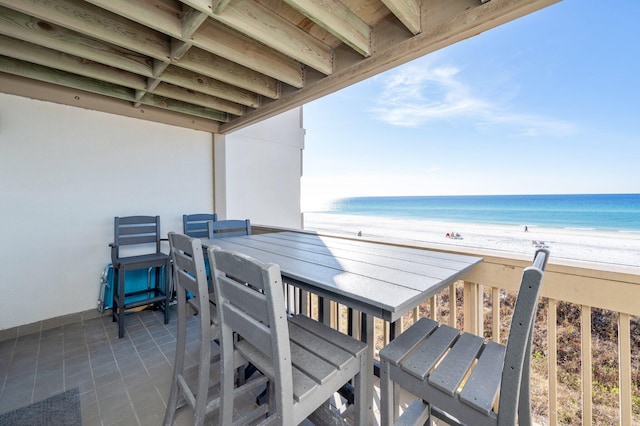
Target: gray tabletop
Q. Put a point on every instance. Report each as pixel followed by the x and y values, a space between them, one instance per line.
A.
pixel 377 279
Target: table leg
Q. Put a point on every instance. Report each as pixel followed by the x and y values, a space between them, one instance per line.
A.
pixel 395 328
pixel 366 335
pixel 324 311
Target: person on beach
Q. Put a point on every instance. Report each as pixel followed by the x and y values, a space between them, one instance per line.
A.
pixel 526 228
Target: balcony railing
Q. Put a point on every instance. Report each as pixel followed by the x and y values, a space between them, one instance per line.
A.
pixel 586 351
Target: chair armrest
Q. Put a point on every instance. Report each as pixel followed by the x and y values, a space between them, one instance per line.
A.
pixel 114 252
pixel 164 240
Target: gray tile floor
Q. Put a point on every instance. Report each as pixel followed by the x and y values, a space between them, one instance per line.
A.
pixel 121 381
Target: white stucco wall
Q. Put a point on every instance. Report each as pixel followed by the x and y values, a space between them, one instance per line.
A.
pixel 64 174
pixel 258 172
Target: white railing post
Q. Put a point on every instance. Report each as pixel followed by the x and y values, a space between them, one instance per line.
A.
pixel 473 306
pixel 552 342
pixel 624 357
pixel 433 307
pixel 453 305
pixel 587 373
pixel 495 314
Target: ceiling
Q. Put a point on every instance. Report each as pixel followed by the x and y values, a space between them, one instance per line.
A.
pixel 219 65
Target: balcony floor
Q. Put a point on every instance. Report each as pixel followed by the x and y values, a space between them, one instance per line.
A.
pixel 121 381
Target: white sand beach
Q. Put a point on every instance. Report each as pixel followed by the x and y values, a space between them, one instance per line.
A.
pixel 619 249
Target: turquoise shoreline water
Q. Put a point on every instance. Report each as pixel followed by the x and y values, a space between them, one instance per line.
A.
pixel 617 212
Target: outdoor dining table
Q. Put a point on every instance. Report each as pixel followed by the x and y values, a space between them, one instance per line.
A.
pixel 377 280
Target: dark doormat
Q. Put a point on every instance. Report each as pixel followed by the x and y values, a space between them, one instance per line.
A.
pixel 62 409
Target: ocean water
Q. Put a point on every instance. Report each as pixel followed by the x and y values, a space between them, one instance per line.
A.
pixel 619 212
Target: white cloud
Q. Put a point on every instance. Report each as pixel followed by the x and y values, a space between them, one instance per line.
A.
pixel 422 92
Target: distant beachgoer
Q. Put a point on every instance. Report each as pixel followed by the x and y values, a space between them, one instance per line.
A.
pixel 359 233
pixel 526 229
pixel 448 235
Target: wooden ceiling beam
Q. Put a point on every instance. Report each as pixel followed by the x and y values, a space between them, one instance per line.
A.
pixel 74 81
pixel 63 78
pixel 259 23
pixel 158 16
pixel 98 23
pixel 204 6
pixel 36 54
pixel 181 27
pixel 229 44
pixel 191 21
pixel 408 12
pixel 158 101
pixel 217 6
pixel 206 63
pixel 26 87
pixel 336 18
pixel 24 27
pixel 187 95
pixel 190 80
pixel 267 86
pixel 150 13
pixel 33 53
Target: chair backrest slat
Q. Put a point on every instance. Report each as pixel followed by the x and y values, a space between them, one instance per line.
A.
pixel 186 271
pixel 136 239
pixel 228 228
pixel 131 230
pixel 195 225
pixel 251 330
pixel 136 220
pixel 146 229
pixel 253 302
pixel 245 299
pixel 188 264
pixel 241 268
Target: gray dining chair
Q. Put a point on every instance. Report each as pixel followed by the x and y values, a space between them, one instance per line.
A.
pixel 306 361
pixel 459 373
pixel 195 225
pixel 191 385
pixel 143 234
pixel 228 228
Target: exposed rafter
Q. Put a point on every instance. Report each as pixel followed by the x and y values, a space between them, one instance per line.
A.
pixel 336 18
pixel 408 12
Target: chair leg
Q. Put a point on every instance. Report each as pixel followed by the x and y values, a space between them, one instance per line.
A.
pixel 121 314
pixel 363 406
pixel 114 297
pixel 387 395
pixel 227 378
pixel 178 368
pixel 396 399
pixel 200 410
pixel 167 291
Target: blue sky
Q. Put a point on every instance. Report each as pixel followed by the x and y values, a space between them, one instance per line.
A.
pixel 548 103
